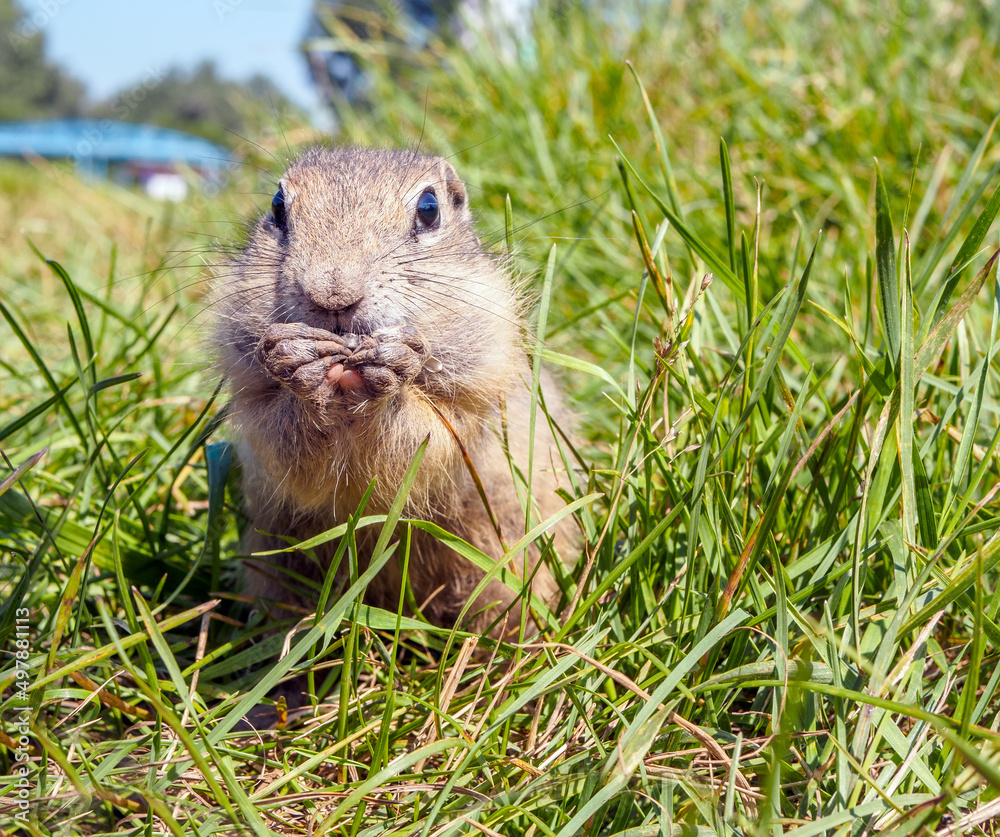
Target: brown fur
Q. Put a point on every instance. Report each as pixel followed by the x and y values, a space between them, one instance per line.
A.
pixel 431 323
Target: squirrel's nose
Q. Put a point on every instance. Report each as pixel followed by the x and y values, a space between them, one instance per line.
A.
pixel 334 292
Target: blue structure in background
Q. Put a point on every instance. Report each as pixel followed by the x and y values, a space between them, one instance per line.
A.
pixel 137 152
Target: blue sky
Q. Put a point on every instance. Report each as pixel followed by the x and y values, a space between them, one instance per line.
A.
pixel 113 44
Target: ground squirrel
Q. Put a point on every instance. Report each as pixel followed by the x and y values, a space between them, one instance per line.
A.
pixel 361 311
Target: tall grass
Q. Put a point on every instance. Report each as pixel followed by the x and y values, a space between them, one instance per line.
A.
pixel 785 615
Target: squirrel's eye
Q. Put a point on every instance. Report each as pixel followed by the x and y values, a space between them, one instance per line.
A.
pixel 428 211
pixel 278 208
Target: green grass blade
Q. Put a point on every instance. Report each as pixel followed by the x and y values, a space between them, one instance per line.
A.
pixel 730 202
pixel 904 425
pixel 21 470
pixel 704 252
pixel 969 249
pixel 888 278
pixel 935 340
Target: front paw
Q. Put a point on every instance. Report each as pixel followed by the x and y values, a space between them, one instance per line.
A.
pixel 299 357
pixel 389 359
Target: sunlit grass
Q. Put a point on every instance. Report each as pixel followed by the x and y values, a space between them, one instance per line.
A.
pixel 786 615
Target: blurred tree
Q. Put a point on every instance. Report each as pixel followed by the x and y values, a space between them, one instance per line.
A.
pixel 200 102
pixel 31 87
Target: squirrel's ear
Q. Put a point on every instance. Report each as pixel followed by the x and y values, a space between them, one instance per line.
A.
pixel 458 198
